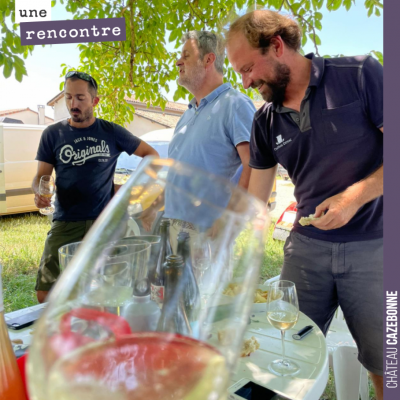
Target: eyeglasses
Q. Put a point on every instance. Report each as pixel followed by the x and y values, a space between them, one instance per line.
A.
pixel 82 75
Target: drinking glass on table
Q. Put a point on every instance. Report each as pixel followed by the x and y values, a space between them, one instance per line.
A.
pixel 47 189
pixel 202 265
pixel 282 313
pixel 82 350
pixel 201 258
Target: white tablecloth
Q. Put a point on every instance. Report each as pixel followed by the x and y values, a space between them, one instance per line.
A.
pixel 310 353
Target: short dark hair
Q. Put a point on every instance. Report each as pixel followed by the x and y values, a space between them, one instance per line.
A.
pixel 92 89
pixel 260 26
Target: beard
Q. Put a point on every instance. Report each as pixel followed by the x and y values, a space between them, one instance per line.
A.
pixel 194 79
pixel 276 87
pixel 83 116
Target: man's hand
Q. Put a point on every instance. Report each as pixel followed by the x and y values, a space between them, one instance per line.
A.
pixel 42 202
pixel 213 232
pixel 343 206
pixel 147 217
pixel 43 169
pixel 341 209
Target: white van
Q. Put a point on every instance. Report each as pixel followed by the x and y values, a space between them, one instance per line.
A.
pixel 18 147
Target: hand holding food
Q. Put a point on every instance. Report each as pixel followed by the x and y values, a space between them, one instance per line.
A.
pixel 308 220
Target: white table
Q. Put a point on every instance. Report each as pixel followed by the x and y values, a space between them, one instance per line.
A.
pixel 310 353
pixel 23 334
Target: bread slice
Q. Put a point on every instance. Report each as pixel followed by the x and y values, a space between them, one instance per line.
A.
pixel 303 221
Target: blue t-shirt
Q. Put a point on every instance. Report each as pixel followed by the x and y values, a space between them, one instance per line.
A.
pixel 84 161
pixel 332 143
pixel 206 137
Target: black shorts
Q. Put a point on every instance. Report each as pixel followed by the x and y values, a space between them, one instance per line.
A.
pixel 329 274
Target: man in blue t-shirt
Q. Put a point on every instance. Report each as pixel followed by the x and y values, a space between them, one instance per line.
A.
pixel 83 151
pixel 323 121
pixel 213 135
pixel 214 132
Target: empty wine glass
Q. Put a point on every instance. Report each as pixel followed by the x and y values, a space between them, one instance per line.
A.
pixel 282 313
pixel 201 257
pixel 47 189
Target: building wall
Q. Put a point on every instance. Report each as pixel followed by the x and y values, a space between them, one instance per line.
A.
pixel 139 126
pixel 28 117
pixel 60 110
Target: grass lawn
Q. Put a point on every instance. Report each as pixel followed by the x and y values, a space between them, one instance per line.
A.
pixel 22 240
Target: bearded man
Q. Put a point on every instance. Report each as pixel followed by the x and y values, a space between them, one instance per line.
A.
pixel 323 122
pixel 214 132
pixel 83 150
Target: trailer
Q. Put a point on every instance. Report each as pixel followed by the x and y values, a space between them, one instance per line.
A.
pixel 18 147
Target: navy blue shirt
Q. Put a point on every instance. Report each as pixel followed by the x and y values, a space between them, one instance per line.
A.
pixel 332 143
pixel 84 161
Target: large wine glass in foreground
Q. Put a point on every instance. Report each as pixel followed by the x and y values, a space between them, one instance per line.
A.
pixel 167 346
pixel 282 313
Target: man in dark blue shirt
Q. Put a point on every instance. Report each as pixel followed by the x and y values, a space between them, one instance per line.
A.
pixel 83 151
pixel 323 121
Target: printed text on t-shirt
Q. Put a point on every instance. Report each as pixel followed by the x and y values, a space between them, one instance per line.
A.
pixel 79 156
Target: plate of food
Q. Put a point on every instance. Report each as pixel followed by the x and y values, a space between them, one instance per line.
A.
pixel 260 295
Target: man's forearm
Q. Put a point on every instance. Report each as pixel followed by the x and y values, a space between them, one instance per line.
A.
pixel 116 187
pixel 262 182
pixel 35 185
pixel 367 189
pixel 245 177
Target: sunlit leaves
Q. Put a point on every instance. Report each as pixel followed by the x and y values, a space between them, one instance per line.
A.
pixel 10 43
pixel 144 65
pixel 378 55
pixel 373 6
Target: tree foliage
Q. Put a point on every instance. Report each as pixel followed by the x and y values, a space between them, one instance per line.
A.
pixel 142 65
pixel 11 49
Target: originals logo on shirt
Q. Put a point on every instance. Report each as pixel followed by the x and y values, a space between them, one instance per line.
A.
pixel 79 156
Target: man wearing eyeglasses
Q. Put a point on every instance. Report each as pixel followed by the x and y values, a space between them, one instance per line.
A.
pixel 83 151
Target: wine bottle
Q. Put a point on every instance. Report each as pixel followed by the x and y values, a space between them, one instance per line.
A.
pixel 11 386
pixel 191 293
pixel 174 318
pixel 157 276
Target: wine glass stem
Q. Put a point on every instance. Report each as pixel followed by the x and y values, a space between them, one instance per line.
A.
pixel 201 277
pixel 283 344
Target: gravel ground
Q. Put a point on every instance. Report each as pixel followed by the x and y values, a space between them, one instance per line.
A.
pixel 284 197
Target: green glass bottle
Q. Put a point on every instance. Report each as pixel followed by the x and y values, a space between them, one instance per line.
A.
pixel 173 317
pixel 191 293
pixel 157 275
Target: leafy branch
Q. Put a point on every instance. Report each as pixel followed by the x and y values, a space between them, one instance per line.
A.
pixel 307 23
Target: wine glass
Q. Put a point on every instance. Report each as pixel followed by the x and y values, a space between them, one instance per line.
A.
pixel 201 257
pixel 282 313
pixel 47 189
pixel 180 354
